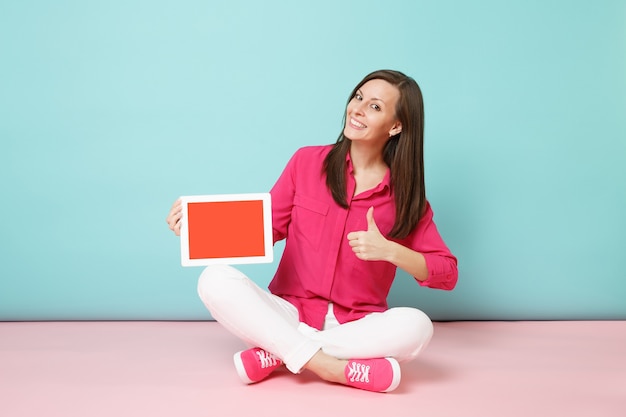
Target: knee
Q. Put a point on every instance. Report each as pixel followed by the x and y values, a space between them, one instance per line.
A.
pixel 417 324
pixel 217 281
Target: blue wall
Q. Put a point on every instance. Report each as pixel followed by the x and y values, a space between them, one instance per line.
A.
pixel 109 110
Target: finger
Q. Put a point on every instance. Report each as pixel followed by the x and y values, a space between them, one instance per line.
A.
pixel 173 218
pixel 371 223
pixel 174 226
pixel 177 208
pixel 360 255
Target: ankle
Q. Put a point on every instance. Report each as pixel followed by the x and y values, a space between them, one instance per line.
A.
pixel 327 367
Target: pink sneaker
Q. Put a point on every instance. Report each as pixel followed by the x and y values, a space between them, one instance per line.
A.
pixel 254 365
pixel 379 375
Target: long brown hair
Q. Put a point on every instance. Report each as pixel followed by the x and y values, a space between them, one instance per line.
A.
pixel 403 153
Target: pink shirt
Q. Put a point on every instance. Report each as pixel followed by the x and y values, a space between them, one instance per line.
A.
pixel 318 265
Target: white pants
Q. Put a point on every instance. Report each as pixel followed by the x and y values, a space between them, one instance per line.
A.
pixel 264 320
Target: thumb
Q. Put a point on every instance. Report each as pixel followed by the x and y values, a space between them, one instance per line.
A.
pixel 371 223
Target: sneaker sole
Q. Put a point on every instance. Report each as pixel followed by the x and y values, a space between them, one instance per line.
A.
pixel 396 374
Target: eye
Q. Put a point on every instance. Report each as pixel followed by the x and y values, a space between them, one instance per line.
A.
pixel 376 107
pixel 358 96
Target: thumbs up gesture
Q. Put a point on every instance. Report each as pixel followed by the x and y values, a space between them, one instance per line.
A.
pixel 370 244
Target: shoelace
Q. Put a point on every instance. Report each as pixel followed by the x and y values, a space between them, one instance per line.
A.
pixel 267 359
pixel 358 372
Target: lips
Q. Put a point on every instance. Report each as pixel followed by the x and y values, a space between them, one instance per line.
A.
pixel 355 123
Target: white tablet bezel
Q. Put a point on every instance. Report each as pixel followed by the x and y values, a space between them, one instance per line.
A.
pixel 267 257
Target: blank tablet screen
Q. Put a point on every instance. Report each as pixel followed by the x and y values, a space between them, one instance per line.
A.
pixel 227 229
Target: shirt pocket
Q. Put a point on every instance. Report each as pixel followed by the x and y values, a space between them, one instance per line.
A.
pixel 309 219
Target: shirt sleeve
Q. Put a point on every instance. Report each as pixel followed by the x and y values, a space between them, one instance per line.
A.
pixel 441 263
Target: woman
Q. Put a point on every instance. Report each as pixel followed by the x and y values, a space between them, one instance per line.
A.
pixel 351 213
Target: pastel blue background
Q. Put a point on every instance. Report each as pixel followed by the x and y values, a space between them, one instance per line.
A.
pixel 109 110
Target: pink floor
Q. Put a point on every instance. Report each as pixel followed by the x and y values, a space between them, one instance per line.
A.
pixel 480 369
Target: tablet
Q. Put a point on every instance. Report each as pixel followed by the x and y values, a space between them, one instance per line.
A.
pixel 226 229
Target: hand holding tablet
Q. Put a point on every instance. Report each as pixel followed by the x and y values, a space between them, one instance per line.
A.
pixel 226 229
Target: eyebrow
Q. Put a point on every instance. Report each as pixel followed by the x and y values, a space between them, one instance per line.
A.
pixel 373 98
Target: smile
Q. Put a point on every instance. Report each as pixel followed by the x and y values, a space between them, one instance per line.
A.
pixel 356 123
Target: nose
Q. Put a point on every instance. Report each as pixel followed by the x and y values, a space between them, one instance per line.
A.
pixel 358 107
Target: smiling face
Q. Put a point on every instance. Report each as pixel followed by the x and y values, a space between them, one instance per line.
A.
pixel 371 113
